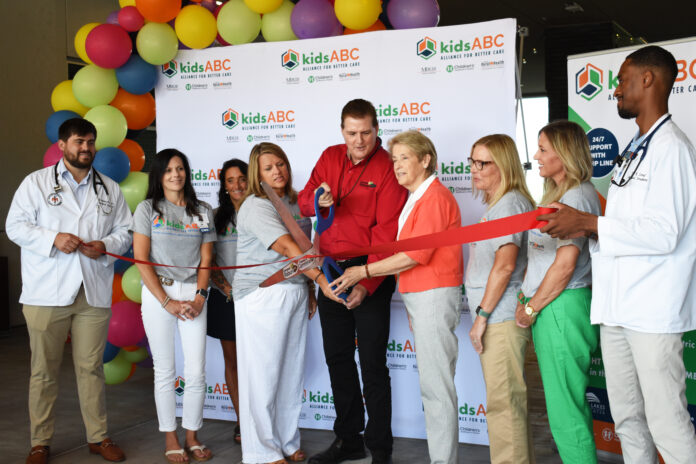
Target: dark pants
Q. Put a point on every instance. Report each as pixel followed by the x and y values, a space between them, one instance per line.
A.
pixel 370 323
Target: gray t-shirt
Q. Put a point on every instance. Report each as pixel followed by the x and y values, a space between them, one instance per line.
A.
pixel 482 256
pixel 226 249
pixel 259 225
pixel 541 250
pixel 175 237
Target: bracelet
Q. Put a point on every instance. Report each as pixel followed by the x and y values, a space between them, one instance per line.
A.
pixel 367 272
pixel 164 303
pixel 520 297
pixel 318 275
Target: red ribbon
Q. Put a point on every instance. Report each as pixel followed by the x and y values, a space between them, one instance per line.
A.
pixel 466 234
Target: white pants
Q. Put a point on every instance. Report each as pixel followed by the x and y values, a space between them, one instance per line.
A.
pixel 160 327
pixel 646 383
pixel 271 339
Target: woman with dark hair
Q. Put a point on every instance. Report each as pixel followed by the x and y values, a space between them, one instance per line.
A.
pixel 221 320
pixel 171 226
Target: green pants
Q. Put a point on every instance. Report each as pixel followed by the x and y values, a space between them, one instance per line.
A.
pixel 564 340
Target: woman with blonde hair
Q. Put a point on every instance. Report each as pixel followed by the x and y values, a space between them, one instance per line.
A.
pixel 556 294
pixel 272 321
pixel 493 277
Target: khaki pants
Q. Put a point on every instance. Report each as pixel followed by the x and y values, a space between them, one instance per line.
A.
pixel 48 328
pixel 502 362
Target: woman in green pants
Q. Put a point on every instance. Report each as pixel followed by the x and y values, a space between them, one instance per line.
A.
pixel 555 296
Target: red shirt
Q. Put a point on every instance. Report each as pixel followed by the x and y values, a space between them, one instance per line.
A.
pixel 367 202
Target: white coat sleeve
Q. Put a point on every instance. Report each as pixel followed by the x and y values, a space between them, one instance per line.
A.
pixel 668 208
pixel 119 238
pixel 22 220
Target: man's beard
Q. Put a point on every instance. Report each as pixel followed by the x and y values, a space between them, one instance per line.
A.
pixel 626 114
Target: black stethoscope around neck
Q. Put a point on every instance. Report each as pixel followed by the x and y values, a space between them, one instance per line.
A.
pixel 96 180
pixel 628 156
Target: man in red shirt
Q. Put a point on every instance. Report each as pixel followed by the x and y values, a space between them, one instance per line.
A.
pixel 358 179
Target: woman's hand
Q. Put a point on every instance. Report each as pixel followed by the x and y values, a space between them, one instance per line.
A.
pixel 350 277
pixel 326 289
pixel 521 317
pixel 192 309
pixel 476 333
pixel 312 303
pixel 176 308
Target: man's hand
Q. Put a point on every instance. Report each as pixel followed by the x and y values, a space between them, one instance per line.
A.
pixel 356 297
pixel 67 243
pixel 521 318
pixel 93 250
pixel 476 333
pixel 326 198
pixel 568 222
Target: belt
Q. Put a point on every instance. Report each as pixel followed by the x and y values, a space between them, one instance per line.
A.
pixel 166 281
pixel 350 262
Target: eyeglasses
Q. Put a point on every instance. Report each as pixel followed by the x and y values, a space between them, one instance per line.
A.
pixel 478 164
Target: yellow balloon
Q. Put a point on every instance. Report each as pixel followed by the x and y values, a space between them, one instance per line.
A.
pixel 63 98
pixel 196 26
pixel 125 3
pixel 80 39
pixel 263 6
pixel 357 14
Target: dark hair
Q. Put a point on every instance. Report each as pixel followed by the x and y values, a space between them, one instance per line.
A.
pixel 157 170
pixel 359 109
pixel 76 126
pixel 226 212
pixel 653 56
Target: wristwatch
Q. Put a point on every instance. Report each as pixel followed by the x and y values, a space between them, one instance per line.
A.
pixel 203 292
pixel 529 310
pixel 482 313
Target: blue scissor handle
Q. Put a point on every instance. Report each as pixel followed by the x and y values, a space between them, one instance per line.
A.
pixel 329 264
pixel 323 223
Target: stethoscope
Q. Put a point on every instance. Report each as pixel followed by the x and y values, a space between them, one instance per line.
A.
pixel 629 156
pixel 105 206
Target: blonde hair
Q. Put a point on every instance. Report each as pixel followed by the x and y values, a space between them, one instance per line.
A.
pixel 569 141
pixel 419 144
pixel 254 175
pixel 504 153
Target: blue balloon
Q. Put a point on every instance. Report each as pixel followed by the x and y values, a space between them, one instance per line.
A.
pixel 112 162
pixel 110 352
pixel 137 76
pixel 55 120
pixel 120 265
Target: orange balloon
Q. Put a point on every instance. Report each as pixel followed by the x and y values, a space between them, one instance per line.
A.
pixel 135 154
pixel 117 295
pixel 131 348
pixel 139 110
pixel 159 11
pixel 377 26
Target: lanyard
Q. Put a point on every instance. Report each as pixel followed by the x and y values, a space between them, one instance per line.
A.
pixel 340 197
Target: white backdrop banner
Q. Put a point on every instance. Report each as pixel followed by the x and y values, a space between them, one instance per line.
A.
pixel 455 84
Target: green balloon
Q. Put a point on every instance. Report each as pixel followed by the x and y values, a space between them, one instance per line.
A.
pixel 94 86
pixel 135 356
pixel 237 24
pixel 134 188
pixel 132 284
pixel 111 125
pixel 157 43
pixel 276 26
pixel 117 370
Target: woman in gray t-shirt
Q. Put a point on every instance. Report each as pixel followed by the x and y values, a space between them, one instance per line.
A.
pixel 493 277
pixel 556 293
pixel 173 227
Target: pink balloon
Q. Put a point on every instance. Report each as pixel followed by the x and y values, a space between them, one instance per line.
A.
pixel 126 324
pixel 52 155
pixel 130 18
pixel 108 46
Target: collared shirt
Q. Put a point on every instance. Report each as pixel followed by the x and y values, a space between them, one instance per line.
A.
pixel 77 189
pixel 412 199
pixel 644 261
pixel 367 197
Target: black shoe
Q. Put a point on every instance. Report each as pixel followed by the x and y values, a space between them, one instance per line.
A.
pixel 381 457
pixel 340 450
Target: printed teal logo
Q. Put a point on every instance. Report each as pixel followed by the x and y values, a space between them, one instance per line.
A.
pixel 426 48
pixel 188 86
pixel 317 416
pixel 588 81
pixel 290 59
pixel 450 68
pixel 179 386
pixel 250 138
pixel 169 69
pixel 230 118
pixel 310 79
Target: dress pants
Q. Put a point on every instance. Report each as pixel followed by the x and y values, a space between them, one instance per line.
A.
pixel 340 326
pixel 646 384
pixel 48 328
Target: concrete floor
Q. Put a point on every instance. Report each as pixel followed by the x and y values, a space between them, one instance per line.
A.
pixel 133 422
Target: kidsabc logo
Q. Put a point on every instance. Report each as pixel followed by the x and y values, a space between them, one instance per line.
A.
pixel 427 47
pixel 588 81
pixel 171 68
pixel 290 59
pixel 232 118
pixel 179 385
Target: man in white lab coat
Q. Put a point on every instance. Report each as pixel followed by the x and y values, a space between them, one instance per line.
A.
pixel 64 217
pixel 643 262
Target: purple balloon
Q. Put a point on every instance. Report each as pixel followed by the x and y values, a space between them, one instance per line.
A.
pixel 112 18
pixel 410 14
pixel 338 29
pixel 311 19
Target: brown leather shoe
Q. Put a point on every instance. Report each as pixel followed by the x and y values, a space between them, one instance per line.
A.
pixel 108 450
pixel 38 455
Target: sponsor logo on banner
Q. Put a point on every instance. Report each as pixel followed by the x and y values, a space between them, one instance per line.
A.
pixel 172 87
pixel 273 119
pixel 427 47
pixel 428 69
pixel 230 118
pixel 492 64
pixel 324 78
pixel 285 137
pixel 222 85
pixel 194 69
pixel 460 67
pixel 588 81
pixel 292 80
pixel 349 76
pixel 179 386
pixel 472 414
pixel 599 404
pixel 290 59
pixel 169 69
pixel 455 176
pixel 401 353
pixel 315 60
pixel 196 86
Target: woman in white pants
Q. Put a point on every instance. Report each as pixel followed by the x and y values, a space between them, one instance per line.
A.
pixel 272 321
pixel 173 227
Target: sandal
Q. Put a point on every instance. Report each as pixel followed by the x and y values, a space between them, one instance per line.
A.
pixel 176 451
pixel 202 448
pixel 237 434
pixel 297 456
